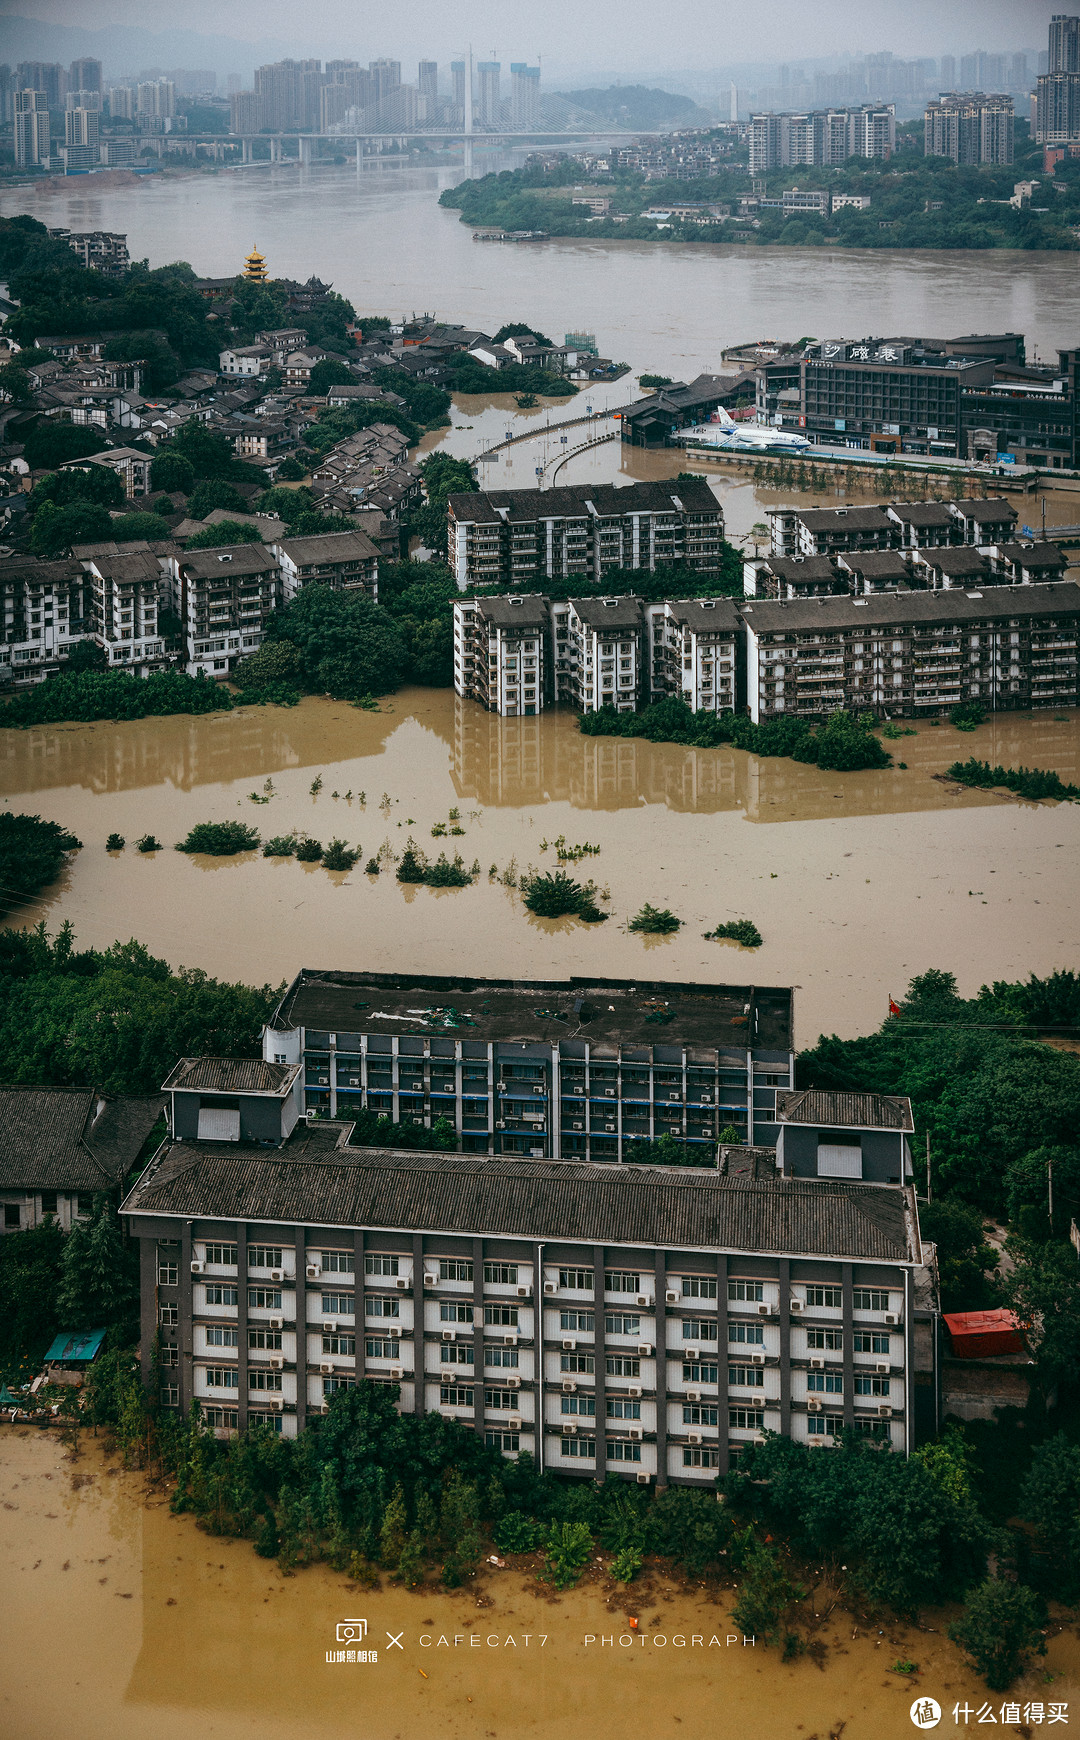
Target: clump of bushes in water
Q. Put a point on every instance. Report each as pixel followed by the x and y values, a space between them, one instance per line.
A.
pixel 339 856
pixel 115 843
pixel 967 715
pixel 553 894
pixel 309 852
pixel 148 843
pixel 843 743
pixel 655 921
pixel 220 839
pixel 740 930
pixel 415 867
pixel 281 846
pixel 1029 782
pixel 89 695
pixel 32 854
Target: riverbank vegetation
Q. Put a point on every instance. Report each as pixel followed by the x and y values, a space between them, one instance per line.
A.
pixel 740 930
pixel 1028 782
pixel 32 855
pixel 654 921
pixel 220 839
pixel 914 202
pixel 84 696
pixel 844 741
pixel 416 867
pixel 554 894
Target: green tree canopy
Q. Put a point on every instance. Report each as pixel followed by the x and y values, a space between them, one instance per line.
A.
pixel 96 484
pixel 55 529
pixel 347 646
pixel 215 492
pixel 329 373
pixel 127 528
pixel 169 470
pixel 224 532
pixel 51 444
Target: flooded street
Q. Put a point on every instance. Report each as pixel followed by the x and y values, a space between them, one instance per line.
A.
pixel 856 880
pixel 118 1620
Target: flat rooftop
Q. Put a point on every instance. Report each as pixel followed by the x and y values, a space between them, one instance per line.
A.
pixel 640 1013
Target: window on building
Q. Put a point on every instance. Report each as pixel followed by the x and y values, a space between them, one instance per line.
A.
pixel 583 1362
pixel 867 1341
pixel 218 1295
pixel 584 1449
pixel 505 1441
pixel 831 1340
pixel 697 1372
pixel 746 1419
pixel 825 1425
pixel 509 1400
pixel 457 1395
pixel 452 1269
pixel 699 1329
pixel 623 1408
pixel 339 1344
pixel 375 1348
pixel 620 1323
pixel 375 1306
pixel 48 1202
pixel 456 1353
pixel 331 1385
pixel 621 1281
pixel 170 1395
pixel 264 1339
pixel 872 1386
pixel 454 1313
pixel 264 1380
pixel 264 1257
pixel 829 1382
pixel 501 1274
pixel 699 1287
pixel 708 1456
pixel 225 1255
pixel 504 1356
pixel 578 1280
pixel 168 1274
pixel 830 1296
pixel 622 1365
pixel 168 1316
pixel 377 1264
pixel 338 1304
pixel 870 1299
pixel 580 1320
pixel 622 1450
pixel 222 1377
pixel 695 1414
pixel 504 1314
pixel 748 1291
pixel 746 1334
pixel 337 1262
pixel 170 1353
pixel 746 1377
pixel 218 1336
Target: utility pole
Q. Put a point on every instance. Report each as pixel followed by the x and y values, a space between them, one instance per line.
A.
pixel 928 1166
pixel 1050 1189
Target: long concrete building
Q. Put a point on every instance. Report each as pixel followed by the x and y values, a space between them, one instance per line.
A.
pixel 643 1321
pixel 522 537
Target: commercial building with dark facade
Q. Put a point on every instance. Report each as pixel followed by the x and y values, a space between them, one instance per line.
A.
pixel 646 1322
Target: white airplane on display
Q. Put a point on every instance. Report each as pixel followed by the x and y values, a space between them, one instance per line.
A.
pixel 723 432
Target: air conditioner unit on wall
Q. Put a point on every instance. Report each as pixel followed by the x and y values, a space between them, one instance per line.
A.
pixel 795 1304
pixel 551 1287
pixel 882 1365
pixel 401 1283
pixel 884 1411
pixel 693 1395
pixel 817 1363
pixel 326 1366
pixel 672 1296
pixel 197 1268
pixel 763 1310
pixel 569 1345
pixel 277 1323
pixel 757 1359
pixel 634 1390
pixel 314 1270
pixel 568 1386
pixel 891 1317
pixel 449 1334
pixel 277 1274
pixel 696 1437
pixel 643 1479
pixel 813 1407
pixel 645 1348
pixel 277 1362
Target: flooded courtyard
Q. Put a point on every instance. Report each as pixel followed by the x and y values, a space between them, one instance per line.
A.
pixel 856 880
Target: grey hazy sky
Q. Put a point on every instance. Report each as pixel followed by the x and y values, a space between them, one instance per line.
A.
pixel 630 35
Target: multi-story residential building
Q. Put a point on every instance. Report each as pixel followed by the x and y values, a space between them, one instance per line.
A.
pixel 523 537
pixel 903 525
pixel 518 654
pixel 33 145
pixel 890 395
pixel 246 361
pixel 646 1322
pixel 105 250
pixel 496 1059
pixel 344 561
pixel 223 598
pixel 503 653
pixel 1057 101
pixel 130 465
pixel 914 653
pixel 823 136
pixel 524 97
pixel 60 1146
pixel 970 127
pixel 122 601
pixel 44 611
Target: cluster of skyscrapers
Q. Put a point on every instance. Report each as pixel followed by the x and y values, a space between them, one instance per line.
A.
pixel 57 113
pixel 345 96
pixel 1057 97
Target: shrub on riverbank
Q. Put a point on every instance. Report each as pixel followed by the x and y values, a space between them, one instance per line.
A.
pixel 740 930
pixel 32 855
pixel 655 921
pixel 554 894
pixel 89 695
pixel 842 743
pixel 1028 782
pixel 220 839
pixel 415 867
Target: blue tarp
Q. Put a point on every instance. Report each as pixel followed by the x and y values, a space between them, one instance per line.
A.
pixel 75 1345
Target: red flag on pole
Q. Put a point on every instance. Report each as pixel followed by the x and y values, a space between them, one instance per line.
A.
pixel 894 1008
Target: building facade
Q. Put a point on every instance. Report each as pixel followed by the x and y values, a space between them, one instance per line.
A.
pixel 223 599
pixel 889 395
pixel 970 127
pixel 1057 99
pixel 646 1322
pixel 914 654
pixel 520 538
pixel 344 561
pixel 821 136
pixel 493 1059
pixel 61 1146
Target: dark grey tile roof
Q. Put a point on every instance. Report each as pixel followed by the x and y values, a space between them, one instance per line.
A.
pixel 770 616
pixel 875 564
pixel 706 615
pixel 230 1075
pixel 866 519
pixel 140 565
pixel 236 559
pixel 923 513
pixel 982 511
pixel 64 1138
pixel 329 547
pixel 667 1206
pixel 580 501
pixel 802 568
pixel 529 610
pixel 856 1111
pixel 608 613
pixel 959 560
pixel 1035 555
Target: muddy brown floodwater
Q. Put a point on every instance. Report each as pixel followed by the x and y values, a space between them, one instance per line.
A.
pixel 856 880
pixel 119 1621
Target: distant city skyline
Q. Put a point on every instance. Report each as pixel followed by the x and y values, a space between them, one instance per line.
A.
pixel 633 44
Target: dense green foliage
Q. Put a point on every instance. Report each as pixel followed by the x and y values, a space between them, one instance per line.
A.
pixel 843 742
pixel 468 375
pixel 966 1261
pixel 415 866
pixel 117 1017
pixel 54 529
pixel 32 854
pixel 554 894
pixel 220 839
pixel 740 930
pixel 345 645
pixel 91 483
pixel 91 695
pixel 213 492
pixel 169 470
pixel 1029 782
pixel 128 528
pixel 986 1096
pixel 916 202
pixel 50 443
pixel 1001 1628
pixel 654 921
pixel 442 476
pixel 224 532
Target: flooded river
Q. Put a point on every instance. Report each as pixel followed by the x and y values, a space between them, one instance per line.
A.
pixel 856 880
pixel 119 1621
